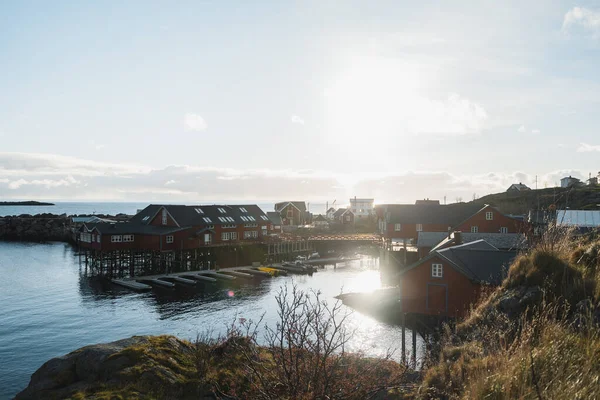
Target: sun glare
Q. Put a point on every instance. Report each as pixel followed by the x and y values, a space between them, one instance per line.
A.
pixel 367 99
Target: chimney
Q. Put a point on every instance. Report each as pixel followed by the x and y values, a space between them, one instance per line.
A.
pixel 457 238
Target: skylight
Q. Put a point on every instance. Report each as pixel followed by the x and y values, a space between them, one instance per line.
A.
pixel 146 218
pixel 242 209
pixel 199 210
pixel 222 210
pixel 207 219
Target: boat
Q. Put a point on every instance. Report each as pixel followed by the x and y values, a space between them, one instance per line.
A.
pixel 297 268
pixel 272 271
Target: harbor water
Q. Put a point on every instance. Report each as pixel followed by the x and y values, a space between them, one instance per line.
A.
pixel 49 306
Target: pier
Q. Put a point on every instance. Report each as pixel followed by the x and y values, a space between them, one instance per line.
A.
pixel 192 278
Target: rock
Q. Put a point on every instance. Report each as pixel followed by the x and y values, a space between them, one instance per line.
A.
pixel 100 365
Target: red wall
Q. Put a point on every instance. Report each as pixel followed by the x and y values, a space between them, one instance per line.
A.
pixel 409 231
pixel 158 219
pixel 491 226
pixel 414 285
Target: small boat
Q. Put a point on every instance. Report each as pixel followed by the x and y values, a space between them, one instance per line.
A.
pixel 297 268
pixel 272 271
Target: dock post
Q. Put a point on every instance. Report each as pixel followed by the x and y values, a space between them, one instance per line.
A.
pixel 403 322
pixel 414 345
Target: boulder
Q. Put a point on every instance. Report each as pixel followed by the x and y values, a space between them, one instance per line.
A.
pixel 102 365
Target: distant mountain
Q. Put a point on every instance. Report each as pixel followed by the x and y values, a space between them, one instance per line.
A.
pixel 24 203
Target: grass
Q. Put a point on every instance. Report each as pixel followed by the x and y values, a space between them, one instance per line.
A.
pixel 549 350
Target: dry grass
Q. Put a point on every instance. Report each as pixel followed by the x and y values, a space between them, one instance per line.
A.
pixel 550 350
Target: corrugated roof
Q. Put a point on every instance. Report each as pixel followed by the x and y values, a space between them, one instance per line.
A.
pixel 579 218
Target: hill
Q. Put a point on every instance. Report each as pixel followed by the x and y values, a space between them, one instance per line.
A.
pixel 581 198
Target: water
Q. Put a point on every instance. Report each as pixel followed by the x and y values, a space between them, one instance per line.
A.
pixel 49 307
pixel 73 208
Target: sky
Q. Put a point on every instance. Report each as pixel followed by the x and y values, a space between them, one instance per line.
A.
pixel 203 101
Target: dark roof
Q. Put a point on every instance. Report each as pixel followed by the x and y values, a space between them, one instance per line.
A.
pixel 319 218
pixel 483 266
pixel 275 217
pixel 341 211
pixel 502 241
pixel 518 187
pixel 479 261
pixel 300 205
pixel 427 201
pixel 451 214
pixel 195 215
pixel 124 228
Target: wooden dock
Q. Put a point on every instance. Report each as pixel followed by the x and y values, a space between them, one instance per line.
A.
pixel 197 278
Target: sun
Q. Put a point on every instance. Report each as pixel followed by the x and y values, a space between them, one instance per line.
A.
pixel 370 99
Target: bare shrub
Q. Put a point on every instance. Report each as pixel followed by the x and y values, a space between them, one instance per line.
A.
pixel 305 355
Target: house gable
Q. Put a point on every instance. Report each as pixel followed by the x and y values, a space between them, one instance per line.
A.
pixel 480 222
pixel 158 218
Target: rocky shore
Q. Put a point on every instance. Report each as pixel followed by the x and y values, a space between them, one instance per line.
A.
pixel 39 228
pixel 165 367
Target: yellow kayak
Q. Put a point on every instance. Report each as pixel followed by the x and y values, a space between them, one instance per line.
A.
pixel 272 271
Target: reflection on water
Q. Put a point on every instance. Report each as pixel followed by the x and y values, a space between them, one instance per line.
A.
pixel 49 306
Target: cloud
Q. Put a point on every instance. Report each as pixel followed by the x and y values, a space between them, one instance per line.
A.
pixel 586 148
pixel 535 131
pixel 66 179
pixel 47 183
pixel 582 18
pixel 297 120
pixel 521 129
pixel 194 122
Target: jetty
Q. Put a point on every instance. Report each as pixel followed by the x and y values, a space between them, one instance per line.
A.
pixel 191 279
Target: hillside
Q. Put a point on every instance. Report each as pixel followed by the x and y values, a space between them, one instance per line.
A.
pixel 535 337
pixel 583 198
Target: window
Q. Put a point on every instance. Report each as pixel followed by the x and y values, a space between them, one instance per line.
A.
pixel 222 219
pixel 347 218
pixel 128 238
pixel 397 227
pixel 210 227
pixel 290 213
pixel 207 219
pixel 146 218
pixel 207 238
pixel 244 218
pixel 225 235
pixel 489 215
pixel 242 209
pixel 419 227
pixel 250 225
pixel 164 216
pixel 264 217
pixel 228 226
pixel 199 210
pixel 233 235
pixel 437 270
pixel 230 219
pixel 116 239
pixel 170 239
pixel 247 234
pixel 222 210
pixel 474 229
pixel 503 229
pixel 98 238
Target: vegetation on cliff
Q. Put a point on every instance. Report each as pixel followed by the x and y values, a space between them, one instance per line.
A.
pixel 537 336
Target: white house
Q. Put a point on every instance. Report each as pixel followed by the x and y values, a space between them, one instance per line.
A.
pixel 361 208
